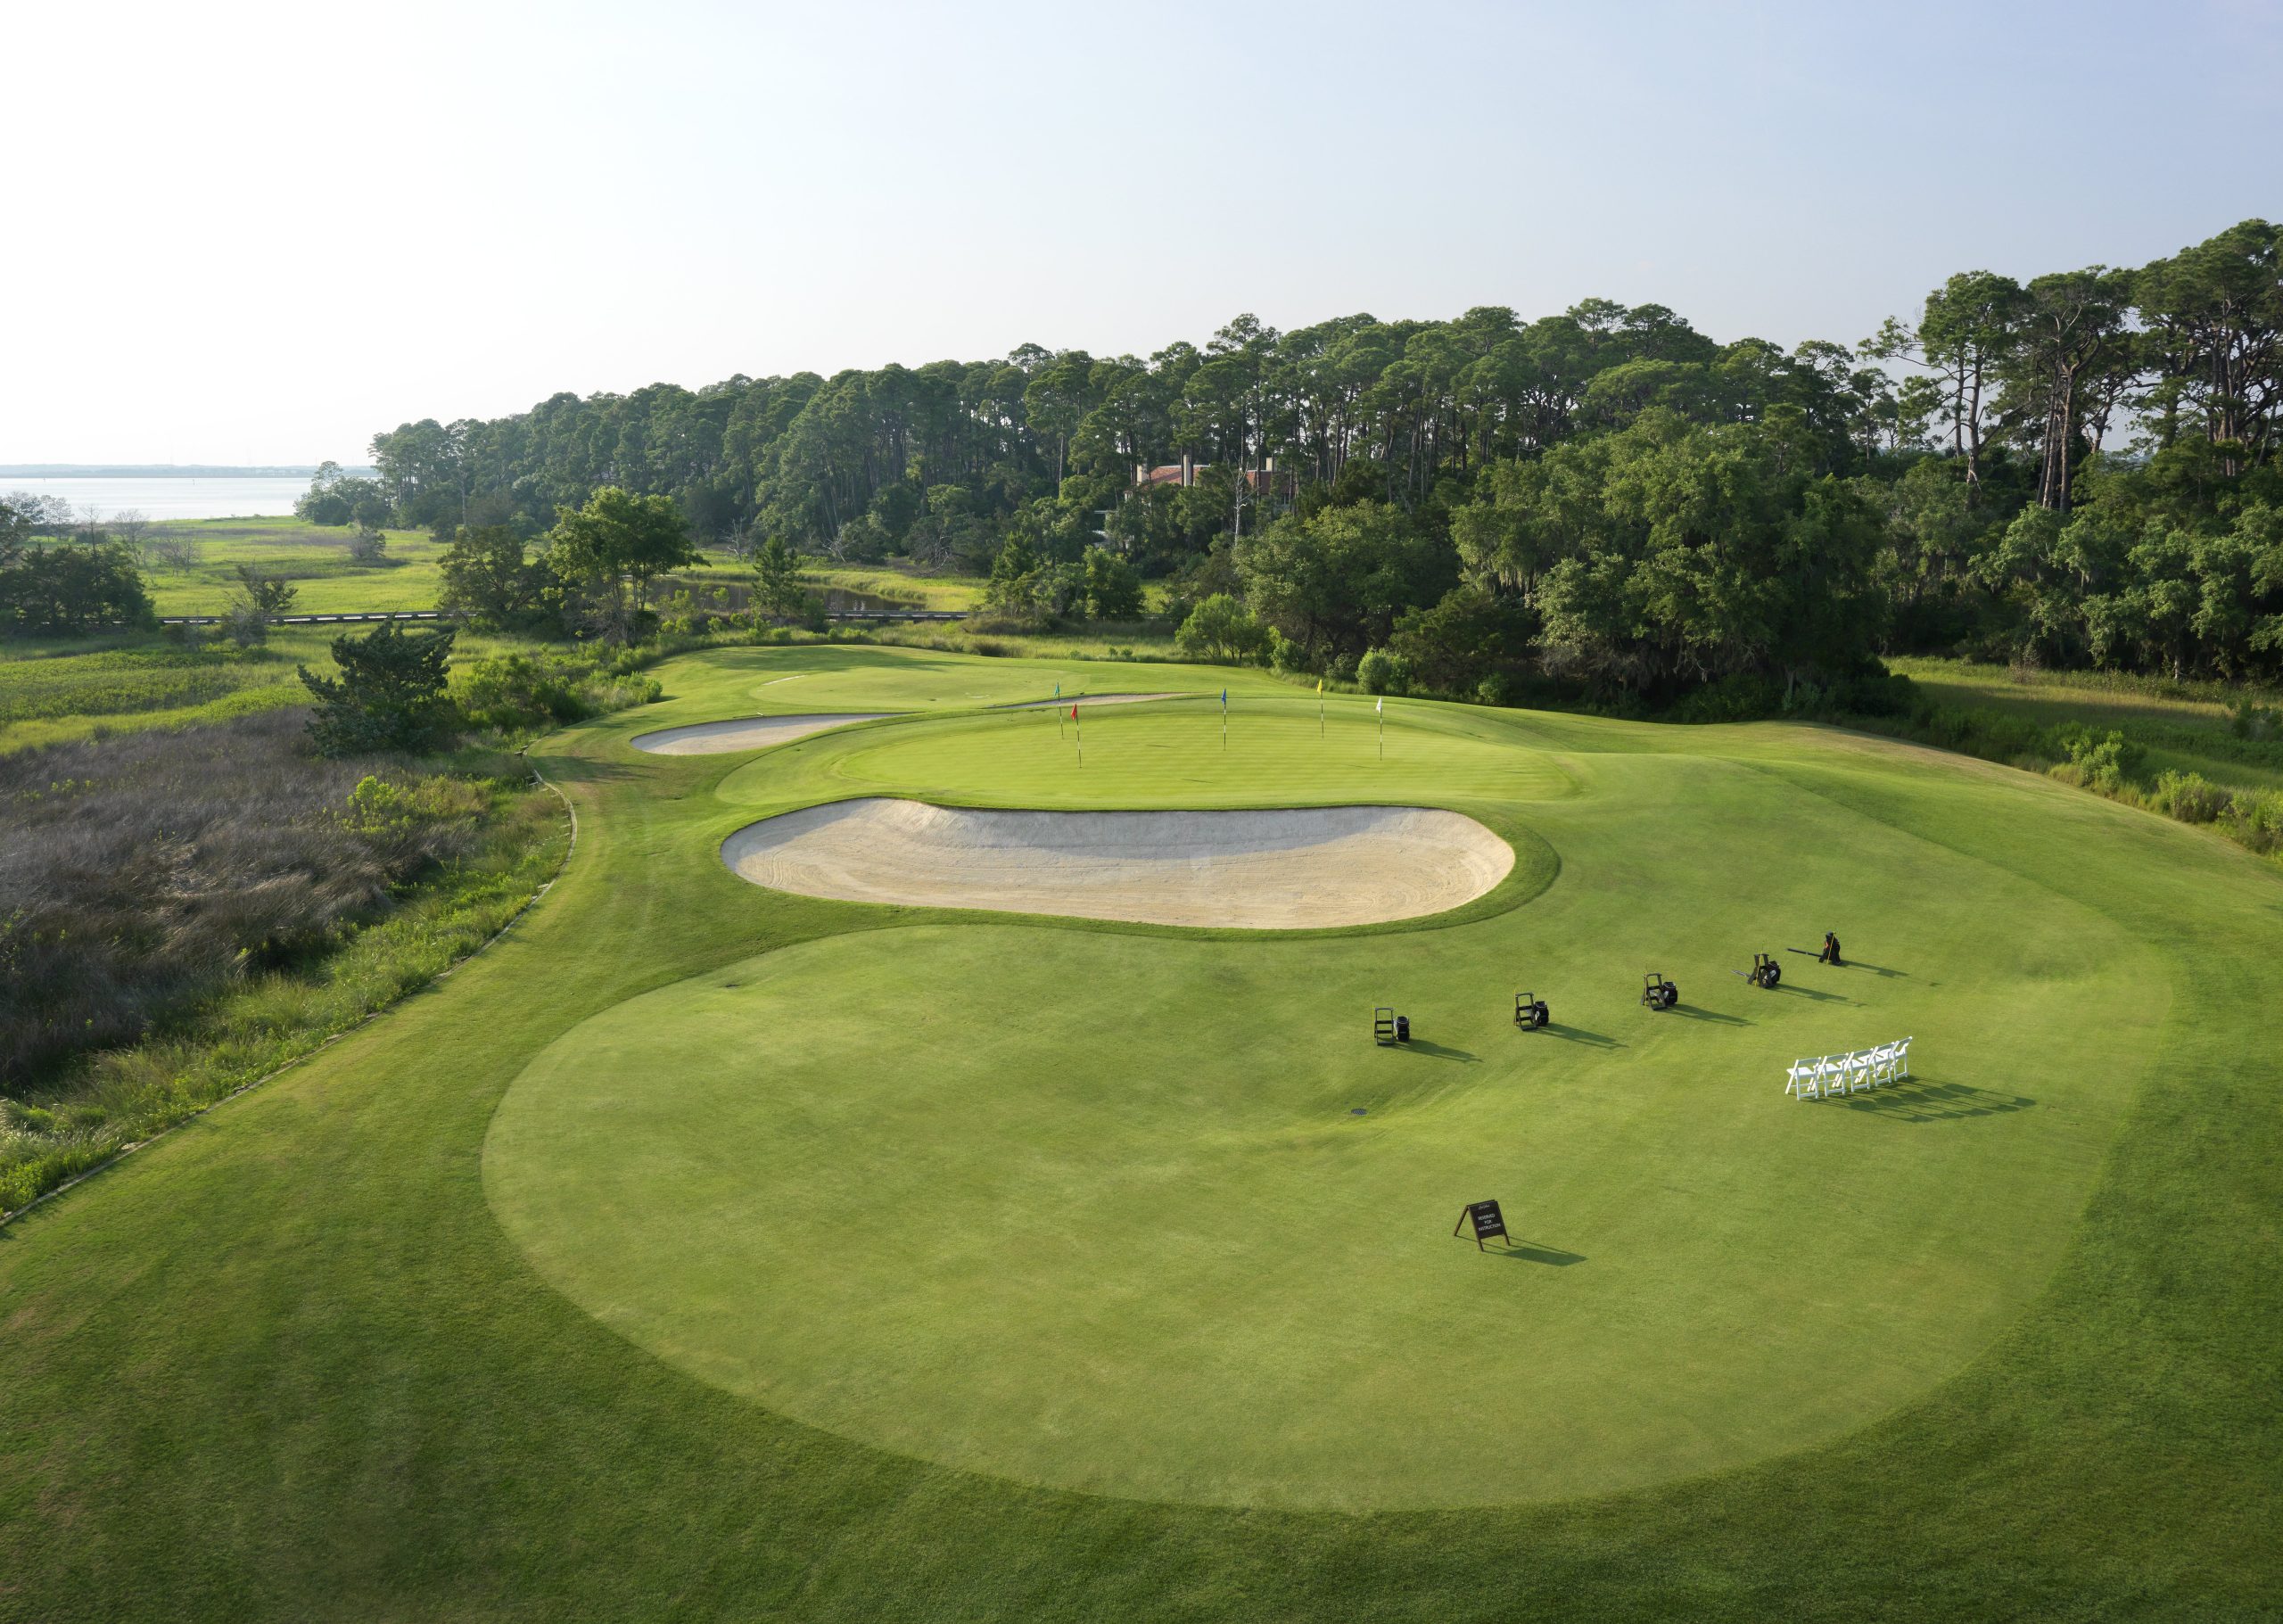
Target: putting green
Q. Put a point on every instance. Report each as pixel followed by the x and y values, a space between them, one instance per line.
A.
pixel 1090 1207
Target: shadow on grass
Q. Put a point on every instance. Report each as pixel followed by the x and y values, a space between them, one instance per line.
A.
pixel 1877 969
pixel 1530 1251
pixel 1810 993
pixel 1931 1099
pixel 1686 1013
pixel 1420 1045
pixel 1578 1035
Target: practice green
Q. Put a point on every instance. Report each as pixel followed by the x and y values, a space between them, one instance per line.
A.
pixel 1090 1207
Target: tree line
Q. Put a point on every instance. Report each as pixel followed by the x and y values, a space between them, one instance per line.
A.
pixel 2079 468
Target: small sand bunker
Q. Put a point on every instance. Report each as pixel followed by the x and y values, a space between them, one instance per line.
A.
pixel 748 733
pixel 1274 870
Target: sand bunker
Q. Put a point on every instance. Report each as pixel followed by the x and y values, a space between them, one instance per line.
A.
pixel 1283 870
pixel 748 733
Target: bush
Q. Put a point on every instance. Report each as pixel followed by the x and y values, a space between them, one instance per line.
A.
pixel 2100 762
pixel 70 589
pixel 1499 688
pixel 1739 696
pixel 1223 630
pixel 1285 655
pixel 1113 586
pixel 515 691
pixel 1382 670
pixel 390 696
pixel 245 625
pixel 2189 797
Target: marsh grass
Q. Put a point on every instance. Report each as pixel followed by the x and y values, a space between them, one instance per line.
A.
pixel 183 912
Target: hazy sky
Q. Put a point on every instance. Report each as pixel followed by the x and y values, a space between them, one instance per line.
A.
pixel 257 234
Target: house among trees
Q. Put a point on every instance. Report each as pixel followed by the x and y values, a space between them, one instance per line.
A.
pixel 1264 481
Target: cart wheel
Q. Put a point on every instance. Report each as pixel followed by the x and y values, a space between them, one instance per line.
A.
pixel 1671 995
pixel 1775 975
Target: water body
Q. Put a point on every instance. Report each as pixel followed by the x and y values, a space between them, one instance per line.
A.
pixel 223 496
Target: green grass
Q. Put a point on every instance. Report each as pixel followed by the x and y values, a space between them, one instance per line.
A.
pixel 56 689
pixel 315 557
pixel 2184 726
pixel 586 1285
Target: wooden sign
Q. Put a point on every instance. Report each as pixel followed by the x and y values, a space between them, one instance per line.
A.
pixel 1489 1223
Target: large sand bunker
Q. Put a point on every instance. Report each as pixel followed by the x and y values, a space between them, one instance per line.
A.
pixel 1280 871
pixel 746 733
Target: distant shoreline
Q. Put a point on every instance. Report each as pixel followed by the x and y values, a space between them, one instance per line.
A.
pixel 159 470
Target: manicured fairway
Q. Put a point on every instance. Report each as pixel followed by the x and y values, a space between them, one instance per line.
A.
pixel 700 1250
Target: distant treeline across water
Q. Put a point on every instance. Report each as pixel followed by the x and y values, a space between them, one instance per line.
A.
pixel 184 494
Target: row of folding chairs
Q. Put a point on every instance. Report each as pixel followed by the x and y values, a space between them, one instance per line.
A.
pixel 1827 1076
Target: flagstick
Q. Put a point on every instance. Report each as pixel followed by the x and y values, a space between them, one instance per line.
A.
pixel 1383 734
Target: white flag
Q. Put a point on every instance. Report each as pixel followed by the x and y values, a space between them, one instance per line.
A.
pixel 1382 704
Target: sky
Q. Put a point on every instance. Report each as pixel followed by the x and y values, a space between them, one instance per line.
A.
pixel 259 234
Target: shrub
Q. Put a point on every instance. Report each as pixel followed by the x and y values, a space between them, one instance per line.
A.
pixel 2100 762
pixel 70 589
pixel 1739 696
pixel 389 694
pixel 1113 586
pixel 1223 630
pixel 2189 797
pixel 1382 670
pixel 245 625
pixel 515 691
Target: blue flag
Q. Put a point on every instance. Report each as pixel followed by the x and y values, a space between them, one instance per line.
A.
pixel 1225 698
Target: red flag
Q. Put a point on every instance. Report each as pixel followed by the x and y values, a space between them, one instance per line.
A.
pixel 1073 713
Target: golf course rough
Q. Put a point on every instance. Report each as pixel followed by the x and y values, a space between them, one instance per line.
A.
pixel 1264 870
pixel 1092 1208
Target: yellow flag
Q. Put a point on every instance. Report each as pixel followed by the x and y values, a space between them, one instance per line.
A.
pixel 1319 685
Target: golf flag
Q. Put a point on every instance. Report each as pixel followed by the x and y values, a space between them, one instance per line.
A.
pixel 1381 708
pixel 1058 690
pixel 1073 713
pixel 1225 698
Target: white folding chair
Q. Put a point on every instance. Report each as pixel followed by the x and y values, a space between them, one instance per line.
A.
pixel 1859 1071
pixel 1801 1080
pixel 1829 1078
pixel 1902 1058
pixel 1883 1064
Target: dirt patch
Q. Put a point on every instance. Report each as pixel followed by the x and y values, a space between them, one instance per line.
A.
pixel 748 733
pixel 1278 870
